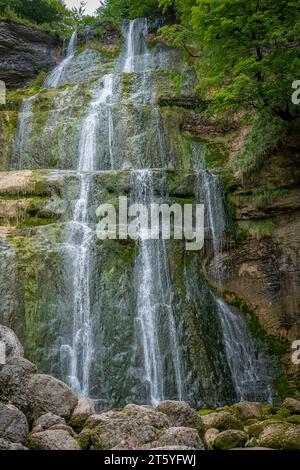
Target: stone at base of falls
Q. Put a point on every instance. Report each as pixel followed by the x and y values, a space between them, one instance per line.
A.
pixel 136 427
pixel 13 346
pixel 230 439
pixel 13 424
pixel 292 405
pixel 7 445
pixel 281 436
pixel 52 440
pixel 221 421
pixel 46 421
pixel 178 436
pixel 181 414
pixel 210 437
pixel 14 378
pixel 84 409
pixel 48 394
pixel 249 410
pixel 34 394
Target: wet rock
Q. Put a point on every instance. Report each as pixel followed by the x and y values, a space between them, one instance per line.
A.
pixel 47 394
pixel 13 424
pixel 281 436
pixel 84 409
pixel 180 413
pixel 292 405
pixel 210 436
pixel 230 439
pixel 178 436
pixel 52 440
pixel 221 421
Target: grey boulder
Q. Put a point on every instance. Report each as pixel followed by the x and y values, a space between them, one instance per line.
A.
pixel 13 424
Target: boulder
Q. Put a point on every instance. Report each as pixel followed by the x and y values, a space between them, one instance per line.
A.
pixel 210 437
pixel 64 427
pixel 249 410
pixel 254 430
pixel 292 405
pixel 13 424
pixel 13 347
pixel 14 378
pixel 46 421
pixel 180 413
pixel 84 409
pixel 52 440
pixel 178 436
pixel 281 436
pixel 173 448
pixel 135 425
pixel 7 445
pixel 47 394
pixel 221 421
pixel 230 439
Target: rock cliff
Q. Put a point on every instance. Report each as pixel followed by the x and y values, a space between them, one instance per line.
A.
pixel 24 52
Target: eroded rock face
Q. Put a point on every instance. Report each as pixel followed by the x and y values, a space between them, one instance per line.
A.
pixel 24 52
pixel 52 440
pixel 13 424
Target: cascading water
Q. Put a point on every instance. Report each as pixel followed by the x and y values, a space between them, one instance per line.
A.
pixel 56 78
pixel 81 350
pixel 250 369
pixel 133 328
pixel 155 314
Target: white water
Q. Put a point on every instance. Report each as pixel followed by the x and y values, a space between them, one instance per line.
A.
pixel 23 133
pixel 81 351
pixel 249 368
pixel 155 306
pixel 56 78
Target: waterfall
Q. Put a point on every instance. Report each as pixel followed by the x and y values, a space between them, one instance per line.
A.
pixel 81 351
pixel 56 78
pixel 153 285
pixel 134 321
pixel 23 134
pixel 249 367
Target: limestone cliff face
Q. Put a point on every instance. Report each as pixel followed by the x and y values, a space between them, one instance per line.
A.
pixel 24 51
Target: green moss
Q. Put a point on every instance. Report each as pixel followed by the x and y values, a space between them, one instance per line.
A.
pixel 182 200
pixel 260 229
pixel 215 156
pixel 36 221
pixel 206 412
pixel 295 419
pixel 262 197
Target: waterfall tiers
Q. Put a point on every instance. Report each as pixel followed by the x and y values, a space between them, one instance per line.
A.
pixel 117 320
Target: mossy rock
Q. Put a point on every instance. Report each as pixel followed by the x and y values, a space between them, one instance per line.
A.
pixel 254 430
pixel 230 439
pixel 281 436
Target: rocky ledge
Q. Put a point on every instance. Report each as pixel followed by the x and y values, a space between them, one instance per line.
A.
pixel 24 52
pixel 39 412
